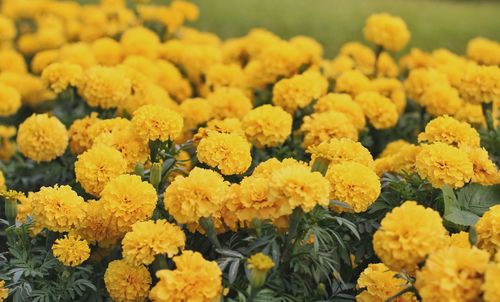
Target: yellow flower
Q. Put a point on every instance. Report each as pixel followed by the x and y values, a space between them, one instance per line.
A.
pixel 194 279
pixel 401 243
pixel 60 76
pixel 443 165
pixel 471 113
pixel 400 160
pixel 267 126
pixel 378 283
pixel 43 59
pixel 488 230
pixel 170 78
pixel 260 262
pixel 7 147
pixel 4 292
pixel 491 281
pixel 189 10
pixel 150 238
pixel 299 186
pixel 445 129
pixel 460 239
pixel 420 79
pixel 58 208
pixel 155 122
pixel 379 110
pixel 96 227
pixel 452 274
pixel 485 170
pixel 77 53
pixel 71 250
pixel 128 199
pixel 195 111
pixel 11 60
pixel 352 82
pixel 79 138
pixel 7 29
pixel 11 100
pixel 363 56
pixel 221 75
pixel 480 84
pixel 342 150
pixel 386 66
pixel 337 66
pixel 42 138
pixel 140 41
pixel 354 184
pixel 150 94
pixel 97 166
pixel 229 153
pixel 392 89
pixel 280 59
pixel 104 87
pixel 441 100
pixel 484 51
pixel 198 195
pixel 320 127
pixel 387 31
pixel 30 87
pixel 107 51
pixel 254 202
pixel 227 102
pixel 127 283
pixel 342 103
pixel 310 47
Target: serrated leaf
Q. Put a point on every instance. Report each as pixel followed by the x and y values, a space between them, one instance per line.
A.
pixel 453 212
pixel 477 198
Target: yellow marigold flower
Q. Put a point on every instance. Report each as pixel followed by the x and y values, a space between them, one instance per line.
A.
pixel 96 227
pixel 30 87
pixel 379 110
pixel 221 75
pixel 157 123
pixel 387 31
pixel 11 60
pixel 229 102
pixel 363 56
pixel 471 113
pixel 254 201
pixel 97 166
pixel 150 94
pixel 71 250
pixel 198 195
pixel 140 41
pixel 150 238
pixel 338 66
pixel 229 153
pixel 443 165
pixel 260 262
pixel 484 51
pixel 491 281
pixel 4 292
pixel 320 127
pixel 299 186
pixel 378 283
pixel 354 184
pixel 60 76
pixel 281 59
pixel 393 147
pixel 127 283
pixel 480 84
pixel 401 160
pixel 460 239
pixel 7 29
pixel 452 274
pixel 77 53
pixel 402 244
pixel 267 125
pixel 129 199
pixel 352 82
pixel 228 125
pixel 310 47
pixel 104 87
pixel 386 66
pixel 11 100
pixel 441 100
pixel 7 147
pixel 79 138
pixel 392 89
pixel 420 79
pixel 341 150
pixel 107 51
pixel 189 10
pixel 195 36
pixel 195 111
pixel 488 230
pixel 43 59
pixel 342 103
pixel 42 138
pixel 485 170
pixel 448 130
pixel 194 279
pixel 59 209
pixel 170 78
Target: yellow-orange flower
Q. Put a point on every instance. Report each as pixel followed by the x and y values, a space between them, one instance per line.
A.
pixel 267 126
pixel 71 250
pixel 127 283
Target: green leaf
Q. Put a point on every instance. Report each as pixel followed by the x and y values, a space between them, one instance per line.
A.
pixel 477 198
pixel 453 212
pixel 233 271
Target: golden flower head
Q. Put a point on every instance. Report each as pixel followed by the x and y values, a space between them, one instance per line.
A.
pixel 387 66
pixel 352 82
pixel 260 262
pixel 460 239
pixel 402 244
pixel 221 75
pixel 420 79
pixel 487 229
pixel 491 281
pixel 480 84
pixel 43 59
pixel 194 279
pixel 441 100
pixel 7 29
pixel 4 292
pixel 399 160
pixel 452 274
pixel 155 122
pixel 485 170
pixel 127 283
pixel 392 89
pixel 71 250
pixel 448 130
pixel 280 59
pixel 150 238
pixel 42 138
pixel 227 102
pixel 79 138
pixel 380 111
pixel 267 125
pixel 388 31
pixel 140 41
pixel 379 283
pixel 189 10
pixel 310 47
pixel 342 150
pixel 107 51
pixel 320 127
pixel 11 100
pixel 60 76
pixel 362 56
pixel 195 111
pixel 11 60
pixel 484 51
pixel 342 103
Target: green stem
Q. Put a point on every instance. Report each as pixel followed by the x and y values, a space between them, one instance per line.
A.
pixel 295 219
pixel 320 165
pixel 487 111
pixel 208 225
pixel 253 293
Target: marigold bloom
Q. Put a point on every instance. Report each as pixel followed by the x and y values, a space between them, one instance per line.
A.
pixel 79 138
pixel 230 153
pixel 8 28
pixel 379 283
pixel 194 279
pixel 150 238
pixel 352 82
pixel 107 51
pixel 71 250
pixel 58 208
pixel 452 274
pixel 11 60
pixel 363 56
pixel 399 161
pixel 392 89
pixel 441 100
pixel 480 84
pixel 402 244
pixel 460 239
pixel 43 59
pixel 342 103
pixel 42 138
pixel 267 126
pixel 4 292
pixel 379 110
pixel 155 122
pixel 320 127
pixel 448 130
pixel 221 75
pixel 260 262
pixel 97 166
pixel 140 41
pixel 485 170
pixel 127 283
pixel 280 59
pixel 254 200
pixel 195 111
pixel 388 31
pixel 386 66
pixel 488 230
pixel 11 100
pixel 342 150
pixel 198 195
pixel 310 47
pixel 227 102
pixel 491 281
pixel 484 51
pixel 60 76
pixel 420 79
